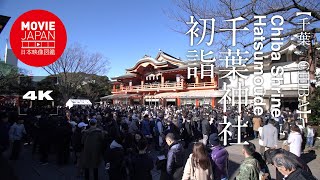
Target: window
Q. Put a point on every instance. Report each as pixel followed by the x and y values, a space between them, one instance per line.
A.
pixel 287 78
pixel 294 77
pixel 204 101
pixel 189 101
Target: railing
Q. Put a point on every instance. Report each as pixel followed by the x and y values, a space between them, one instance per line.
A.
pixel 166 86
pixel 201 85
pixel 116 90
pixel 150 87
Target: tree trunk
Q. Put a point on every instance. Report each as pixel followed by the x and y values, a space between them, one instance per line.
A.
pixel 312 68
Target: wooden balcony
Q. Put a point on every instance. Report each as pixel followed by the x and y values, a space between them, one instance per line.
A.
pixel 150 87
pixel 165 87
pixel 203 85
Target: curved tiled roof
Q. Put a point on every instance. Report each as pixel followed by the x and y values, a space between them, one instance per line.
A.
pixel 147 59
pixel 125 76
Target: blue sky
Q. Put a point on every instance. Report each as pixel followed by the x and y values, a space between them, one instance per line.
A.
pixel 123 31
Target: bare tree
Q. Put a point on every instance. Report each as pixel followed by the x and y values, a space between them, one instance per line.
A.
pixel 72 67
pixel 229 9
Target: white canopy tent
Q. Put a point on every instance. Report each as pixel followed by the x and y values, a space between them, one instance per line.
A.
pixel 78 102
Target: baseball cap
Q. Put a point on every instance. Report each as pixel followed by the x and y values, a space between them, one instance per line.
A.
pixel 82 124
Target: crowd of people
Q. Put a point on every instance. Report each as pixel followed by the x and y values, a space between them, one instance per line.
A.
pixel 121 137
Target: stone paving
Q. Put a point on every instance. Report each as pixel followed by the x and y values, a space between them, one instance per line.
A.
pixel 29 168
pixel 236 158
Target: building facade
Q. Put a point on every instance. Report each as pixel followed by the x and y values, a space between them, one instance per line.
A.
pixel 164 80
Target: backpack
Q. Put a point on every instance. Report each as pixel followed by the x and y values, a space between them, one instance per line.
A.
pixel 213 159
pixel 281 120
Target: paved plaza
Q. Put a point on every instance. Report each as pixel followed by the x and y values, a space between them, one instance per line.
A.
pixel 29 168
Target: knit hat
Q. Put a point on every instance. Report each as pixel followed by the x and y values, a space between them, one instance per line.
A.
pixel 214 139
pixel 93 121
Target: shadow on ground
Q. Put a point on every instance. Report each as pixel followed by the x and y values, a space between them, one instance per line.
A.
pixel 309 156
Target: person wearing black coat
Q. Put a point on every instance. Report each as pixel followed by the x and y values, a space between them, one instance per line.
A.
pixel 300 174
pixel 112 128
pixel 6 170
pixel 115 158
pixel 127 137
pixel 263 165
pixel 77 144
pixel 76 138
pixel 173 128
pixel 63 135
pixel 44 138
pixel 270 153
pixel 188 132
pixel 288 167
pixel 142 163
pixel 205 127
pixel 4 133
pixel 286 130
pixel 35 135
pixel 175 158
pixel 214 126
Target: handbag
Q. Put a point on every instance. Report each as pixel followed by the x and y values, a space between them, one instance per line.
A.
pixel 161 164
pixel 263 176
pixel 285 146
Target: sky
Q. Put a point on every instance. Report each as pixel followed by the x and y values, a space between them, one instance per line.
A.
pixel 123 30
